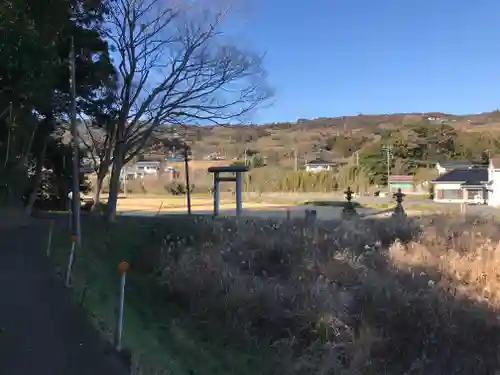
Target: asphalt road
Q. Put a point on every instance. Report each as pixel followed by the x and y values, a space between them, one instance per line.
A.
pixel 482 210
pixel 41 331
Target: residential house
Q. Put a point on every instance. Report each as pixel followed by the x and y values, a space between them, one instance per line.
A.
pixel 493 185
pixel 319 165
pixel 443 167
pixel 148 167
pixel 403 182
pixel 462 186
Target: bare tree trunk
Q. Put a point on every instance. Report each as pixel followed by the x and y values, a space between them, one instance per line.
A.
pixel 101 175
pixel 7 150
pixel 97 192
pixel 37 178
pixel 9 127
pixel 114 183
pixel 29 146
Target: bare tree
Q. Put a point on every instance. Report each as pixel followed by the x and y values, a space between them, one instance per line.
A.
pixel 98 141
pixel 97 133
pixel 175 66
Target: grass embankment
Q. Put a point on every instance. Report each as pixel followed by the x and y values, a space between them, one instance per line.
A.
pixel 164 338
pixel 386 296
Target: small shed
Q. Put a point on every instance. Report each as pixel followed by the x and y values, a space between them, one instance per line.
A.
pixel 403 182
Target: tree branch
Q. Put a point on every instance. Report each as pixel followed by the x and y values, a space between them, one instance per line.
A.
pixel 176 67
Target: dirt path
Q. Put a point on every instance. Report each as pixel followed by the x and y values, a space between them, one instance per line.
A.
pixel 41 331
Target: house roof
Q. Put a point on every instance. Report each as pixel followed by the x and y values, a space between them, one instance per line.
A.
pixel 319 162
pixel 147 164
pixel 471 176
pixel 455 164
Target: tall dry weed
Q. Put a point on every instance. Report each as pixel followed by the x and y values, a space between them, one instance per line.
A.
pixel 355 297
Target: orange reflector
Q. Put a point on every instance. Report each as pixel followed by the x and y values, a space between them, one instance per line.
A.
pixel 123 267
pixel 73 238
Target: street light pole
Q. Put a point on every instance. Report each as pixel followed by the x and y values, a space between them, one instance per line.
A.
pixel 75 190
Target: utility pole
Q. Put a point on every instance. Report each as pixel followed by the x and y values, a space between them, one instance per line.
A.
pixel 357 158
pixel 388 152
pixel 188 186
pixel 75 191
pixel 245 155
pixel 295 160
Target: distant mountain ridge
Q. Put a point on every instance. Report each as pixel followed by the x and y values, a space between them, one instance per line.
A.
pixel 362 120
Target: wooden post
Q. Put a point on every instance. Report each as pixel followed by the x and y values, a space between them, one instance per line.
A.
pixel 239 199
pixel 216 193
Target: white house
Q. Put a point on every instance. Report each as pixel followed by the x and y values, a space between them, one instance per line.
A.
pixel 463 186
pixel 493 185
pixel 148 167
pixel 318 165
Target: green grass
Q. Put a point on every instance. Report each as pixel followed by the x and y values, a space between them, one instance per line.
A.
pixel 164 339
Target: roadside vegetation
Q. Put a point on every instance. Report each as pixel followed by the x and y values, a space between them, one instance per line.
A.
pixel 229 296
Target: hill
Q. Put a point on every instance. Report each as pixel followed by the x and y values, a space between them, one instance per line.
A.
pixel 326 138
pixel 357 146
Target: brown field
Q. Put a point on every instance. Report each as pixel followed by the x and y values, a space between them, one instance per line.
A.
pixel 168 204
pixel 270 208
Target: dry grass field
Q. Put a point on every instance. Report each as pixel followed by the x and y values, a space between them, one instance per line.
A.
pixel 160 206
pixel 328 206
pixel 361 297
pixel 169 204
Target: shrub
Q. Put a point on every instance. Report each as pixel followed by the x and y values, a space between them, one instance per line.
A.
pixel 178 188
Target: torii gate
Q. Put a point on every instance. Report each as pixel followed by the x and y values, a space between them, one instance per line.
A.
pixel 237 171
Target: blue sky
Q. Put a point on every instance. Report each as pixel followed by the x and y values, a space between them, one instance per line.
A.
pixel 344 57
